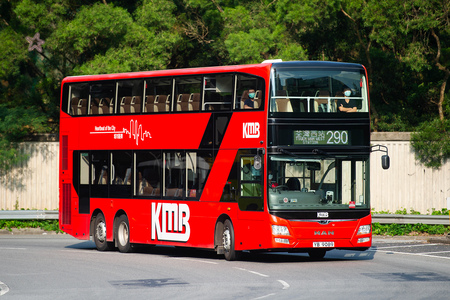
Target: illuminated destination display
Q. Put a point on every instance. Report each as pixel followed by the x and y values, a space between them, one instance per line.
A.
pixel 321 137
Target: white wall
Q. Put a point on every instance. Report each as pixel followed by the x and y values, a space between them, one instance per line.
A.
pixel 407 184
pixel 34 184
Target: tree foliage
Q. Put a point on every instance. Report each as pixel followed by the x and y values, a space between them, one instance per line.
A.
pixel 405 46
pixel 432 143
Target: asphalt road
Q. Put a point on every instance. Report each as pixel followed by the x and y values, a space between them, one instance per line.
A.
pixel 62 267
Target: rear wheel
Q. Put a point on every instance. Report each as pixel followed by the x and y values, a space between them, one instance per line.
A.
pixel 228 241
pixel 100 233
pixel 123 234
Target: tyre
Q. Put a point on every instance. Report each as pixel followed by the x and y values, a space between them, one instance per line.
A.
pixel 123 234
pixel 100 233
pixel 228 241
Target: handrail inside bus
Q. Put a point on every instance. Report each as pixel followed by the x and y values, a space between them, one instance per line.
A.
pixel 308 99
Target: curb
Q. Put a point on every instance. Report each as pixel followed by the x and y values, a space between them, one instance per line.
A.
pixel 440 240
pixel 26 231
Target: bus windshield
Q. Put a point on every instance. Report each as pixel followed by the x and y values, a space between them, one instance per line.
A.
pixel 305 183
pixel 298 90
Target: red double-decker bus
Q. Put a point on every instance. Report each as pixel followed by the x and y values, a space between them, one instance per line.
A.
pixel 267 157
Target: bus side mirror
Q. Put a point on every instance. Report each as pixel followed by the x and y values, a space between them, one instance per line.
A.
pixel 385 162
pixel 257 162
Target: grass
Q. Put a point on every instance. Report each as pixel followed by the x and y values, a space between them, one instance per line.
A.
pixel 47 225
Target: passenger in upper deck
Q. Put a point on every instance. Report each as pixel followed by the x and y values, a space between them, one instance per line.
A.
pixel 346 105
pixel 249 102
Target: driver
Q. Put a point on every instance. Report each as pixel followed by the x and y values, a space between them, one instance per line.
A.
pixel 272 183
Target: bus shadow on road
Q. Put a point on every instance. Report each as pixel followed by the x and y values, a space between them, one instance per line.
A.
pixel 265 257
pixel 281 257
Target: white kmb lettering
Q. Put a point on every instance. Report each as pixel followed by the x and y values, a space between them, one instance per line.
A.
pixel 250 130
pixel 174 220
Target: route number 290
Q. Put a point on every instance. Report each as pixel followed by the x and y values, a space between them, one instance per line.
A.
pixel 337 137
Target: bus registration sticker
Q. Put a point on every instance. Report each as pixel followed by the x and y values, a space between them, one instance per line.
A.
pixel 323 244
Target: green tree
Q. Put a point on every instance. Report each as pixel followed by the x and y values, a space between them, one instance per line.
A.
pixel 432 143
pixel 404 45
pixel 87 37
pixel 253 33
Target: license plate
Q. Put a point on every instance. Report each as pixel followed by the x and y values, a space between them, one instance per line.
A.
pixel 323 244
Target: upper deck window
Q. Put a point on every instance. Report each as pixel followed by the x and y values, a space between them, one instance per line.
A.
pixel 91 99
pixel 130 96
pixel 157 95
pixel 218 92
pixel 298 90
pixel 187 93
pixel 246 85
pixel 197 93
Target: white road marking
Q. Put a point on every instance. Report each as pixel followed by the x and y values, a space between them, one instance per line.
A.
pixel 426 253
pixel 10 248
pixel 196 260
pixel 265 296
pixel 284 283
pixel 3 288
pixel 253 272
pixel 406 253
pixel 406 246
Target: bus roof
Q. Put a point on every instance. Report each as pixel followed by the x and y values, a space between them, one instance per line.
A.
pixel 317 64
pixel 255 68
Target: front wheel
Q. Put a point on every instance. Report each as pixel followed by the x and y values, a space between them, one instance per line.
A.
pixel 123 234
pixel 100 233
pixel 228 241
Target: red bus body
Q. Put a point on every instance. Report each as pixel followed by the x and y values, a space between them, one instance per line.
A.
pixel 194 220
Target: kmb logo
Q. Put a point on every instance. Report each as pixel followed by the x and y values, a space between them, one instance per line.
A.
pixel 250 130
pixel 174 225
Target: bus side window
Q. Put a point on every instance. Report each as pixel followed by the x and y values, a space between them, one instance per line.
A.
pixel 174 175
pixel 78 99
pixel 198 165
pixel 120 172
pixel 148 174
pixel 218 91
pixel 157 94
pixel 184 88
pixel 246 83
pixel 98 91
pixel 130 95
pixel 250 197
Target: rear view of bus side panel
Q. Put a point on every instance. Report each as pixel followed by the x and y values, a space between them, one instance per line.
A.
pixel 70 219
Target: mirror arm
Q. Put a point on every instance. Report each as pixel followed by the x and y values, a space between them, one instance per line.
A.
pixel 385 160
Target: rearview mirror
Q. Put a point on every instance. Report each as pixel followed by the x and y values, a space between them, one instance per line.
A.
pixel 257 162
pixel 385 162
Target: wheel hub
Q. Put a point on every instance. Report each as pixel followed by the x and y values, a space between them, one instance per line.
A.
pixel 123 233
pixel 226 240
pixel 101 232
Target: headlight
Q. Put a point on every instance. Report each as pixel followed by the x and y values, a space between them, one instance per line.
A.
pixel 282 241
pixel 365 229
pixel 280 230
pixel 363 240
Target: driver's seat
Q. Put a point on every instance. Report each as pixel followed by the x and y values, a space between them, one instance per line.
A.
pixel 293 184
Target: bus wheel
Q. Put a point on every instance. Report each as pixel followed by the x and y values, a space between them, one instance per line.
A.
pixel 317 254
pixel 100 233
pixel 123 234
pixel 228 241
